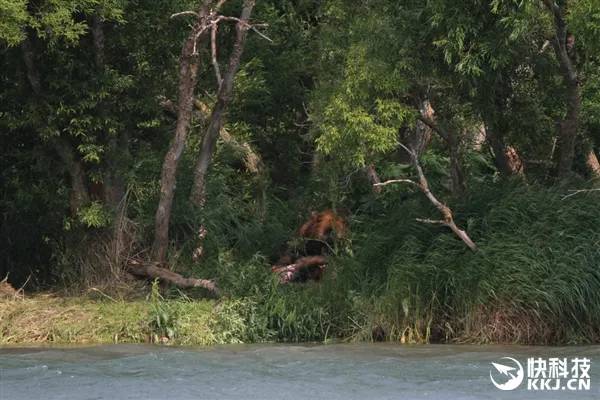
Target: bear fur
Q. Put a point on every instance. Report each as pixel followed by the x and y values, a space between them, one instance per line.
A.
pixel 318 233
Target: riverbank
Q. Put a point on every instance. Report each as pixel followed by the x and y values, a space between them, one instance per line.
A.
pixel 48 318
pixel 533 279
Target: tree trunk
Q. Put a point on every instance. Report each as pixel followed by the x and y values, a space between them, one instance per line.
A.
pixel 568 129
pixel 97 40
pixel 29 58
pixel 213 131
pixel 515 163
pixel 114 183
pixel 419 137
pixel 564 48
pixel 495 137
pixel 188 68
pixel 456 174
pixel 79 192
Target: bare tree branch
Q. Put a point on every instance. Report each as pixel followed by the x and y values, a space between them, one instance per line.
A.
pixel 214 128
pixel 253 27
pixel 399 181
pixel 423 185
pixel 213 51
pixel 179 14
pixel 580 191
pixel 220 5
pixel 432 221
pixel 252 161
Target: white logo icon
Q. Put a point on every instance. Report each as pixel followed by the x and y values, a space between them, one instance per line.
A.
pixel 514 381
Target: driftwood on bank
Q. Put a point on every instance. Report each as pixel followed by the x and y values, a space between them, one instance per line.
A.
pixel 153 271
pixel 424 187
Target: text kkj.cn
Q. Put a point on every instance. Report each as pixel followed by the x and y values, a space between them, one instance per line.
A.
pixel 558 374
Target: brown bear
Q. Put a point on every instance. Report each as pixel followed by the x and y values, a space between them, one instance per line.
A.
pixel 318 233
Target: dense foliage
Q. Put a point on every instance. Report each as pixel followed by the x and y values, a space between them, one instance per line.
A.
pixel 500 100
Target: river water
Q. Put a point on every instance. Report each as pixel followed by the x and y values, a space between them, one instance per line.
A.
pixel 329 372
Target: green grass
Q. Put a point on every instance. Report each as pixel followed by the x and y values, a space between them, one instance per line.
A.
pixel 534 278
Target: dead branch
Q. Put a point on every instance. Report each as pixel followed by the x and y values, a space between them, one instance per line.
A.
pixel 214 127
pixel 179 14
pixel 213 51
pixel 214 26
pixel 424 186
pixel 220 4
pixel 579 191
pixel 399 181
pixel 151 270
pixel 431 221
pixel 252 161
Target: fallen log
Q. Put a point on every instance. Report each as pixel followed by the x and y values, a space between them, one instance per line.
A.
pixel 153 271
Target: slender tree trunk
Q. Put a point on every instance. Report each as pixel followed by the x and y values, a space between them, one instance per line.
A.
pixel 79 192
pixel 209 140
pixel 29 58
pixel 188 69
pixel 568 129
pixel 495 137
pixel 114 183
pixel 98 40
pixel 456 174
pixel 419 137
pixel 515 163
pixel 565 50
pixel 454 166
